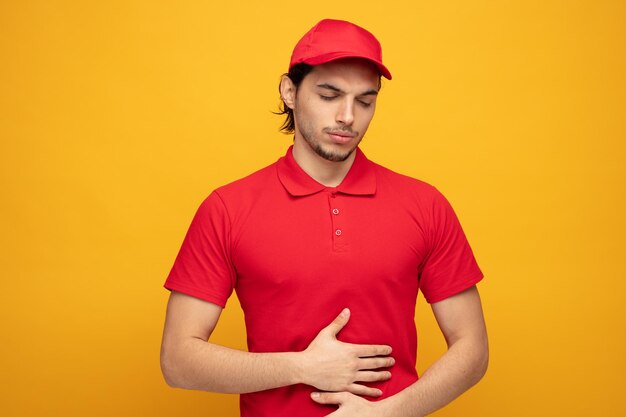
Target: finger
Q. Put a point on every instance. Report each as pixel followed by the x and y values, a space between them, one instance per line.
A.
pixel 363 390
pixel 365 351
pixel 340 321
pixel 375 363
pixel 329 397
pixel 371 376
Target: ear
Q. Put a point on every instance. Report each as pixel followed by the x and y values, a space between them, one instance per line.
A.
pixel 288 92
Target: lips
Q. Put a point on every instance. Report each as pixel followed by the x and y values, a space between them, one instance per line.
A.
pixel 341 137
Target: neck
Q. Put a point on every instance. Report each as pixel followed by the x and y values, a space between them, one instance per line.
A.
pixel 328 173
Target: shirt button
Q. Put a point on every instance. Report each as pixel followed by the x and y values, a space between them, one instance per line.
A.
pixel 335 211
pixel 338 232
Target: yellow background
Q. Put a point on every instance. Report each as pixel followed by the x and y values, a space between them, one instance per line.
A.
pixel 118 117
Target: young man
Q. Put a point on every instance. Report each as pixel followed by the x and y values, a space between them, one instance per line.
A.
pixel 327 252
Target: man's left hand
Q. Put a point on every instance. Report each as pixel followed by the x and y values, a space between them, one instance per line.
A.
pixel 350 405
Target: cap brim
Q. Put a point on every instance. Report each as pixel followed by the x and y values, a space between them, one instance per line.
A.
pixel 323 59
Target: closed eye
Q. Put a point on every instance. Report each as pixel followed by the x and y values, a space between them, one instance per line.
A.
pixel 327 98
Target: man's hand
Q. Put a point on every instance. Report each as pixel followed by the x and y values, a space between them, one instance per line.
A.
pixel 189 361
pixel 331 365
pixel 350 405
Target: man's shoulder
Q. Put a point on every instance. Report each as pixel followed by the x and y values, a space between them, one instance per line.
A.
pixel 396 181
pixel 250 187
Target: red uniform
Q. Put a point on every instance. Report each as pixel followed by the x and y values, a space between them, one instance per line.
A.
pixel 298 252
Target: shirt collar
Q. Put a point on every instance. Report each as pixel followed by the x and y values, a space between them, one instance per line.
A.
pixel 360 180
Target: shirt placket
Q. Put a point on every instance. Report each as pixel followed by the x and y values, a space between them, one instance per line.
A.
pixel 337 217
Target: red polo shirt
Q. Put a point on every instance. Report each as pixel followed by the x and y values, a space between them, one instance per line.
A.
pixel 297 252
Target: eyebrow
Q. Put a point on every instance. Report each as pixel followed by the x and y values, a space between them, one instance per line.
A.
pixel 331 87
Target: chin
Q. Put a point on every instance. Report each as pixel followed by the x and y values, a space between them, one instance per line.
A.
pixel 333 155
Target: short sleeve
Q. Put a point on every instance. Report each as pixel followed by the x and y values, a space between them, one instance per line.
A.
pixel 450 266
pixel 203 267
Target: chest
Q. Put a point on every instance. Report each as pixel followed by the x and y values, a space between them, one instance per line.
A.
pixel 305 240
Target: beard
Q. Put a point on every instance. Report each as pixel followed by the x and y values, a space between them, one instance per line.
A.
pixel 308 134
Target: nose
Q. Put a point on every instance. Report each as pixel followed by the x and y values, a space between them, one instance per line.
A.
pixel 345 113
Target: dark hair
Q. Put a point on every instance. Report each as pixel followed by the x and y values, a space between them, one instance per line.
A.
pixel 296 74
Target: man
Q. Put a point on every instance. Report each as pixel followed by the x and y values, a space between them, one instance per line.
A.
pixel 326 251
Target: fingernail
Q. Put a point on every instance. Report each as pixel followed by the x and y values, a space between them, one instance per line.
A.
pixel 315 394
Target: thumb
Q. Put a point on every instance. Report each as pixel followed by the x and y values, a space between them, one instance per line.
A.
pixel 340 321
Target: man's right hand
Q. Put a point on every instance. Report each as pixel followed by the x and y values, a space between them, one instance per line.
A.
pixel 332 365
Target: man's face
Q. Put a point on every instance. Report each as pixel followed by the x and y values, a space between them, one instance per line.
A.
pixel 334 105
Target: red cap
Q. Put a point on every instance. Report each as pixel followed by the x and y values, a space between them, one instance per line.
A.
pixel 334 39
